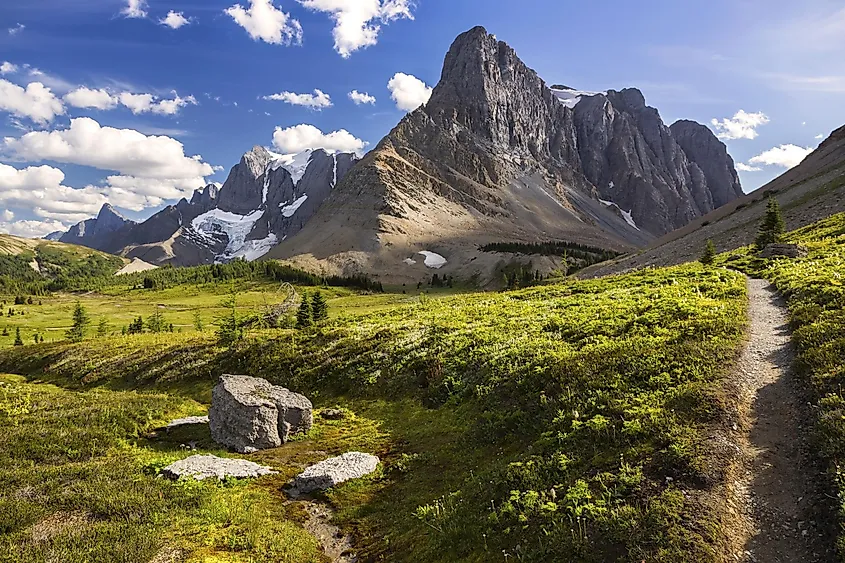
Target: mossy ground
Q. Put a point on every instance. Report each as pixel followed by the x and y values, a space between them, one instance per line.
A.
pixel 565 422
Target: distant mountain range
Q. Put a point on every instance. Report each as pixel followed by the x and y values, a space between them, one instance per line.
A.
pixel 495 156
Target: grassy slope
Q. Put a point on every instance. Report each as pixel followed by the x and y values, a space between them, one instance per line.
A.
pixel 815 287
pixel 566 421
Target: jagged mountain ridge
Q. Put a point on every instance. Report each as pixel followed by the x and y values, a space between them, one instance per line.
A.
pixel 95 232
pixel 497 155
pixel 266 198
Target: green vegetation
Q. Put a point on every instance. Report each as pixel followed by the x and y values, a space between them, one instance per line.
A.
pixel 304 317
pixel 77 331
pixel 709 254
pixel 564 422
pixel 575 257
pixel 816 291
pixel 319 307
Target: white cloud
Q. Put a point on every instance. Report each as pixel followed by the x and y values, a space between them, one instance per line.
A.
pixel 8 68
pixel 36 102
pixel 361 98
pixel 8 215
pixel 31 229
pixel 742 167
pixel 263 21
pixel 317 101
pixel 148 103
pixel 40 189
pixel 357 21
pixel 300 137
pixel 86 98
pixel 820 137
pixel 16 29
pixel 175 20
pixel 742 125
pixel 785 156
pixel 135 9
pixel 409 92
pixel 125 151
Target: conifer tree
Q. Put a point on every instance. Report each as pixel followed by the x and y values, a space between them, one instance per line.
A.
pixel 319 307
pixel 18 339
pixel 709 254
pixel 156 323
pixel 5 331
pixel 76 333
pixel 773 227
pixel 229 328
pixel 198 321
pixel 303 315
pixel 103 328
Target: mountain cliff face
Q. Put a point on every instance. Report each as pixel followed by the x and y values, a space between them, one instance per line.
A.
pixel 266 198
pixel 96 232
pixel 497 155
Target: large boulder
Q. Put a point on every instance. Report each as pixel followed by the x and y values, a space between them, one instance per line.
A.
pixel 783 251
pixel 249 414
pixel 333 471
pixel 202 467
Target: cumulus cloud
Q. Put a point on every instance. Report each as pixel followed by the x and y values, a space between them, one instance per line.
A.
pixel 317 101
pixel 135 9
pixel 31 229
pixel 8 215
pixel 8 68
pixel 361 98
pixel 174 20
pixel 87 98
pixel 409 92
pixel 820 137
pixel 148 103
pixel 264 22
pixel 301 137
pixel 742 125
pixel 357 21
pixel 36 102
pixel 126 151
pixel 785 156
pixel 17 29
pixel 742 167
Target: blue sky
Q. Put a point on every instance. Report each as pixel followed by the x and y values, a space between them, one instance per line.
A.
pixel 158 94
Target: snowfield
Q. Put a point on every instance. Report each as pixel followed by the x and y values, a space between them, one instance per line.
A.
pixel 288 210
pixel 570 98
pixel 235 227
pixel 625 214
pixel 433 260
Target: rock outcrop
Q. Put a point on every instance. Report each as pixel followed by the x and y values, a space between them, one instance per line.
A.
pixel 249 414
pixel 332 472
pixel 783 251
pixel 201 467
pixel 97 232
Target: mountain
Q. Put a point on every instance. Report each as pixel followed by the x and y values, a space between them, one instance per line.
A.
pixel 266 198
pixel 813 190
pixel 496 155
pixel 95 233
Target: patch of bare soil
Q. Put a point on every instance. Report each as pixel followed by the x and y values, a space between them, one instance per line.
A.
pixel 60 523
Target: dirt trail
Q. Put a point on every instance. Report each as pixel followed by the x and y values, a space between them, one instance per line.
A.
pixel 780 492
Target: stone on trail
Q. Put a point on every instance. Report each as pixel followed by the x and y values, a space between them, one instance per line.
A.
pixel 333 471
pixel 249 414
pixel 202 467
pixel 191 420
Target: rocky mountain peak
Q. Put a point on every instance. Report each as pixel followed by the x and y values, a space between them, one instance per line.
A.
pixel 256 160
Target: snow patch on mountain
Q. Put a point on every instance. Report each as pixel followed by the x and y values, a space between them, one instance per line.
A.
pixel 570 97
pixel 236 228
pixel 296 164
pixel 433 260
pixel 289 209
pixel 255 249
pixel 625 214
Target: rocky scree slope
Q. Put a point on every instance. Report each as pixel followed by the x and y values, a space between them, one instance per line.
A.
pixel 813 190
pixel 266 198
pixel 496 155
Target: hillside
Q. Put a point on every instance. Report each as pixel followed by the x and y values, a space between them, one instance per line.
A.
pixel 497 156
pixel 812 191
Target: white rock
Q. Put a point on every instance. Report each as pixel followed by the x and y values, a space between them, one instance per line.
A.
pixel 334 471
pixel 202 467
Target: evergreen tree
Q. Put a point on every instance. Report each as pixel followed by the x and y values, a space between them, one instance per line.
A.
pixel 198 321
pixel 35 337
pixel 18 339
pixel 773 227
pixel 303 315
pixel 5 331
pixel 41 339
pixel 136 326
pixel 229 328
pixel 709 254
pixel 80 324
pixel 319 307
pixel 156 323
pixel 103 328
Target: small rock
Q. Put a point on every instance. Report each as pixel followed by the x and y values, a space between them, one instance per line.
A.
pixel 334 471
pixel 783 251
pixel 333 414
pixel 187 421
pixel 202 467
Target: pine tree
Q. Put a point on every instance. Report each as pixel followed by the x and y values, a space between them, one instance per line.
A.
pixel 229 328
pixel 136 326
pixel 709 254
pixel 103 328
pixel 319 307
pixel 156 323
pixel 41 339
pixel 773 227
pixel 5 331
pixel 198 321
pixel 18 339
pixel 35 337
pixel 303 315
pixel 80 324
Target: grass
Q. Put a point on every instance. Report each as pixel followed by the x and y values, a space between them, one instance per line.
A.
pixel 815 288
pixel 567 421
